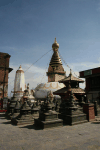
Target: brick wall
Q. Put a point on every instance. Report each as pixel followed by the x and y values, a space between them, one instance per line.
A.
pixel 4 63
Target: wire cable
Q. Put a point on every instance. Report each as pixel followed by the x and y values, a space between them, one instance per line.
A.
pixel 33 63
pixel 67 65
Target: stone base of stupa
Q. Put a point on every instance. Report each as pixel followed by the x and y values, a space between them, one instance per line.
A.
pixel 8 115
pixel 73 119
pixel 48 120
pixel 15 115
pixel 48 124
pixel 35 113
pixel 21 121
pixel 81 109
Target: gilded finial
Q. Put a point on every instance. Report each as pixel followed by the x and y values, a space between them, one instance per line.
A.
pixel 55 41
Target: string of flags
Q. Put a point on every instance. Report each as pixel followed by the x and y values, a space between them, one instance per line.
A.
pixel 67 65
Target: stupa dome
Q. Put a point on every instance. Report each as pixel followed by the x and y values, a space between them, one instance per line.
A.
pixel 41 91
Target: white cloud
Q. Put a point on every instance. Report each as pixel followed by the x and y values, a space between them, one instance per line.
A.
pixel 34 75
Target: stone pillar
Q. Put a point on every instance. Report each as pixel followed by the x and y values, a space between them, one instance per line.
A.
pixel 96 109
pixel 88 108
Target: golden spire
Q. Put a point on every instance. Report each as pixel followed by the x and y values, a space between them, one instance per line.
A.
pixel 55 41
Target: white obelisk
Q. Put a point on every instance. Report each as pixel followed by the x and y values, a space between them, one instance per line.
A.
pixel 19 84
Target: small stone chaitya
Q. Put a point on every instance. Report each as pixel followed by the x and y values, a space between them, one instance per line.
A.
pixel 16 111
pixel 71 114
pixel 25 116
pixel 11 106
pixel 48 117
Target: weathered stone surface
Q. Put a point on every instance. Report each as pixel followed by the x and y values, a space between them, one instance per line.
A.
pixel 16 110
pixel 25 116
pixel 35 111
pixel 48 117
pixel 10 109
pixel 70 113
pixel 96 109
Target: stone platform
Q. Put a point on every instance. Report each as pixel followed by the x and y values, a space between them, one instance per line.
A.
pixel 48 124
pixel 74 119
pixel 22 122
pixel 78 137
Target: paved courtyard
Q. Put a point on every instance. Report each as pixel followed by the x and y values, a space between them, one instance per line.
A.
pixel 78 137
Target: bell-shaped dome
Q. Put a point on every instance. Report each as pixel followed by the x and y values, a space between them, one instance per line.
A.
pixel 41 91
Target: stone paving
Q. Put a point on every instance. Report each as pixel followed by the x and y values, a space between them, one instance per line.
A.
pixel 84 136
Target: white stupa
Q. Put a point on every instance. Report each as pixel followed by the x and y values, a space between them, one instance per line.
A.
pixel 19 84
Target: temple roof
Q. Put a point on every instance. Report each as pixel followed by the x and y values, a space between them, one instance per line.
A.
pixel 72 78
pixel 65 89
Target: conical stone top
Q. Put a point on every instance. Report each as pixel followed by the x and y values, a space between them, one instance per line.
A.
pixel 26 106
pixel 13 101
pixel 71 100
pixel 17 106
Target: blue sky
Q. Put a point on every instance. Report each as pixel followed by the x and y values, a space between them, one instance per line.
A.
pixel 28 29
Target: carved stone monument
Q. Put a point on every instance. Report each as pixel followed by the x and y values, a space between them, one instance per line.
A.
pixel 48 117
pixel 70 112
pixel 11 107
pixel 25 116
pixel 35 110
pixel 16 111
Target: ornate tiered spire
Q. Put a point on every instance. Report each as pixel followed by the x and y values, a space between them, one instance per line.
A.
pixel 55 60
pixel 55 70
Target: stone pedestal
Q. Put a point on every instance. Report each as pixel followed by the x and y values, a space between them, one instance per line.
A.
pixel 48 118
pixel 16 111
pixel 96 109
pixel 35 111
pixel 88 109
pixel 11 107
pixel 70 113
pixel 25 116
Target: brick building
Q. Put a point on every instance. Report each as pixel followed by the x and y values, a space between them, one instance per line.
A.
pixel 92 80
pixel 4 71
